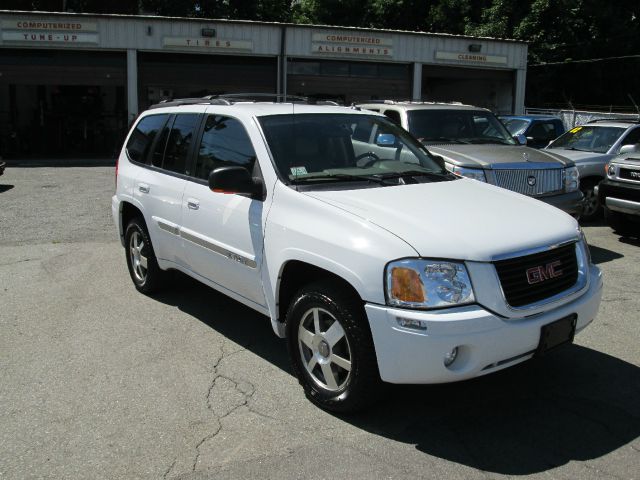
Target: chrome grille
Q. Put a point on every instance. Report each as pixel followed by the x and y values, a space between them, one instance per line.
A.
pixel 546 181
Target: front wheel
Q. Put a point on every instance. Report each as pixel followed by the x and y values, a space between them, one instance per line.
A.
pixel 331 348
pixel 591 210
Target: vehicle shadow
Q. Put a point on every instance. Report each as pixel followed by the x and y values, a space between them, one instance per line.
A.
pixel 603 255
pixel 5 188
pixel 573 404
pixel 576 404
pixel 635 241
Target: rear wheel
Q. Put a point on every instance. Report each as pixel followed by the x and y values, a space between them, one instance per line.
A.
pixel 141 260
pixel 592 210
pixel 331 348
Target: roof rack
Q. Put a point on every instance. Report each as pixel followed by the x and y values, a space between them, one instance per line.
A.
pixel 407 102
pixel 622 120
pixel 231 98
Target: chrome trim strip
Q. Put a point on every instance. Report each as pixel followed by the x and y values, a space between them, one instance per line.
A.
pixel 623 206
pixel 532 251
pixel 219 250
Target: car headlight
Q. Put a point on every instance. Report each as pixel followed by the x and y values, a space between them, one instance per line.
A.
pixel 473 173
pixel 425 283
pixel 571 179
pixel 610 170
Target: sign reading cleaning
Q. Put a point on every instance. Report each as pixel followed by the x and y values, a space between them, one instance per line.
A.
pixel 351 45
pixel 208 43
pixel 49 32
pixel 471 57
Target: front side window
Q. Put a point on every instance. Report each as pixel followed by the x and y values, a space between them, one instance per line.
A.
pixel 458 126
pixel 143 135
pixel 224 143
pixel 328 147
pixel 589 138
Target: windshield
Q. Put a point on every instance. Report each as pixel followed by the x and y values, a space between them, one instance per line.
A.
pixel 589 138
pixel 329 147
pixel 458 126
pixel 515 125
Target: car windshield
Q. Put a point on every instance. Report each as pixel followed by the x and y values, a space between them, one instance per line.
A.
pixel 328 147
pixel 458 126
pixel 515 125
pixel 589 138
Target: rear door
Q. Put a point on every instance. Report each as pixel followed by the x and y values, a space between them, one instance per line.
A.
pixel 160 186
pixel 223 233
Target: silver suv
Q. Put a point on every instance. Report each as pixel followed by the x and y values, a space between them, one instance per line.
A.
pixel 591 146
pixel 475 144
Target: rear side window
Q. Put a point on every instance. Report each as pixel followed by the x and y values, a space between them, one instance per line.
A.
pixel 224 143
pixel 394 116
pixel 171 151
pixel 143 135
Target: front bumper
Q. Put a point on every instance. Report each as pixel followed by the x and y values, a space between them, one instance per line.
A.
pixel 623 197
pixel 486 342
pixel 568 202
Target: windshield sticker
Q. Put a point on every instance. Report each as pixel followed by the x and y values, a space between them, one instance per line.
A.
pixel 574 130
pixel 298 171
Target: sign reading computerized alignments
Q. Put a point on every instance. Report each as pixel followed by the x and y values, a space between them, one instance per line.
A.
pixel 351 45
pixel 49 32
pixel 208 43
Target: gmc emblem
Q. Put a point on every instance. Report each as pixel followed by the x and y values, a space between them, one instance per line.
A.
pixel 541 273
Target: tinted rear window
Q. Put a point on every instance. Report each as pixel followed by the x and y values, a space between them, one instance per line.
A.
pixel 143 135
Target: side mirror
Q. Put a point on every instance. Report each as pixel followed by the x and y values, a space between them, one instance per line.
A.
pixel 633 148
pixel 236 180
pixel 440 161
pixel 521 139
pixel 386 140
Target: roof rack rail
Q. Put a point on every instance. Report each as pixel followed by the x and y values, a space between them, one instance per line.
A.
pixel 622 120
pixel 231 98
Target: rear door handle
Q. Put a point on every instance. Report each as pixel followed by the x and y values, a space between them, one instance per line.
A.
pixel 193 204
pixel 143 187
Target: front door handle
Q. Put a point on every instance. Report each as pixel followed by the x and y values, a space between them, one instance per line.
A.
pixel 143 187
pixel 193 204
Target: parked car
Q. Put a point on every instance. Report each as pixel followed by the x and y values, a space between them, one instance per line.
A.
pixel 591 147
pixel 619 193
pixel 375 262
pixel 539 129
pixel 475 144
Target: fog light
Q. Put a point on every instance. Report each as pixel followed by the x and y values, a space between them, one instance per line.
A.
pixel 411 323
pixel 450 357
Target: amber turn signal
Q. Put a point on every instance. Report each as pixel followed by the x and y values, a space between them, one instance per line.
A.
pixel 406 285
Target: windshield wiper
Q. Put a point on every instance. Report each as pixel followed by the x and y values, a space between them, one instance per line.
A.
pixel 416 173
pixel 443 139
pixel 490 140
pixel 340 176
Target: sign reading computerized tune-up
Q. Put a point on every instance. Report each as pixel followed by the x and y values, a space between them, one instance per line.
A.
pixel 49 32
pixel 351 45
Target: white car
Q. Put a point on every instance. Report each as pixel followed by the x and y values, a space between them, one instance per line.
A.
pixel 375 262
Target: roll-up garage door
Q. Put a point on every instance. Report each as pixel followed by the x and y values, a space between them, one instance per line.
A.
pixel 492 89
pixel 170 75
pixel 62 104
pixel 348 81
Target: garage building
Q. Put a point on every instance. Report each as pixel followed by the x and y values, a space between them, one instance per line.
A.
pixel 70 84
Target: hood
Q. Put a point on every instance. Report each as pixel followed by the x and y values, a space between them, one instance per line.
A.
pixel 486 156
pixel 461 219
pixel 579 156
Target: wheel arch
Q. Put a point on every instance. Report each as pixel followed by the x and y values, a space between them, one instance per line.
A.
pixel 128 211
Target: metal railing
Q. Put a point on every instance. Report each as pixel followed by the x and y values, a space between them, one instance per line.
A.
pixel 571 118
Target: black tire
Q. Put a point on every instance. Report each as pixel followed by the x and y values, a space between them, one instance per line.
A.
pixel 353 389
pixel 146 280
pixel 621 223
pixel 592 209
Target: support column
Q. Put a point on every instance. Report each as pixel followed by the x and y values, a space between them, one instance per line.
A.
pixel 518 101
pixel 132 84
pixel 417 82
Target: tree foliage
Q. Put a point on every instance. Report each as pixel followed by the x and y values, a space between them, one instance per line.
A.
pixel 557 30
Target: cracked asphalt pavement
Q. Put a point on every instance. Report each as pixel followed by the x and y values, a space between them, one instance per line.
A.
pixel 99 381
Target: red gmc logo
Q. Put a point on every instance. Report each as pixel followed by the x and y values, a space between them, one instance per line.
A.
pixel 541 273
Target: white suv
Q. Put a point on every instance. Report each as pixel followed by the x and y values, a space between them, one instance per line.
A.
pixel 375 262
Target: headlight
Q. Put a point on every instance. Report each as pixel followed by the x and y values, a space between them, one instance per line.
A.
pixel 424 283
pixel 571 179
pixel 610 170
pixel 473 173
